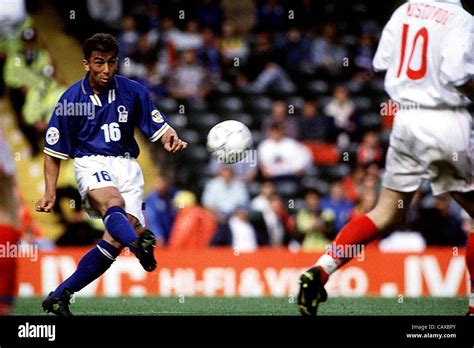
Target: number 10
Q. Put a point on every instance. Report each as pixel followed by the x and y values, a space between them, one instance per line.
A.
pixel 421 72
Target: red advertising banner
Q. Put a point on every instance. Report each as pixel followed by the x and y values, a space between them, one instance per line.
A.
pixel 267 272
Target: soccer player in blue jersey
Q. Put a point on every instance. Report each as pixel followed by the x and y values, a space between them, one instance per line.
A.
pixel 94 123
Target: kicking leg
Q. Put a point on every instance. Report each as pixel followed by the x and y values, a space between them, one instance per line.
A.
pixel 390 210
pixel 466 200
pixel 110 204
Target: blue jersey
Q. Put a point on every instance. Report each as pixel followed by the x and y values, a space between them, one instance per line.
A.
pixel 86 124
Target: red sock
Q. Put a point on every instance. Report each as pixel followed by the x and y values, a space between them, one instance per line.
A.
pixel 347 244
pixel 470 266
pixel 356 232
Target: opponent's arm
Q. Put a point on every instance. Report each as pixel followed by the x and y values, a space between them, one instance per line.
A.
pixel 51 173
pixel 171 141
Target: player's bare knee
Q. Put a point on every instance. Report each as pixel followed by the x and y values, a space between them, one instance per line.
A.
pixel 106 204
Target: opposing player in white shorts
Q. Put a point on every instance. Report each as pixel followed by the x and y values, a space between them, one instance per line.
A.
pixel 427 52
pixel 94 123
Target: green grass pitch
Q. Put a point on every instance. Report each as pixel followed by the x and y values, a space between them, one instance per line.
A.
pixel 250 306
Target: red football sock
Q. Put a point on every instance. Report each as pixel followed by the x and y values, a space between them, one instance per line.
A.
pixel 354 234
pixel 470 268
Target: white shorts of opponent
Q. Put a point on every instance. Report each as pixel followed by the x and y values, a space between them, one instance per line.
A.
pixel 430 144
pixel 125 174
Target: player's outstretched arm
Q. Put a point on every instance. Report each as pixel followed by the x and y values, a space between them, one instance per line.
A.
pixel 51 173
pixel 171 141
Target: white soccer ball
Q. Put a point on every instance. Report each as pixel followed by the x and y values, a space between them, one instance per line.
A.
pixel 229 141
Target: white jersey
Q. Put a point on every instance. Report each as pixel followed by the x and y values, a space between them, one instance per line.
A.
pixel 427 50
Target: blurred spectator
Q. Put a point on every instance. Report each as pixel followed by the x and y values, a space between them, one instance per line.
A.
pixel 128 38
pixel 224 193
pixel 106 14
pixel 341 108
pixel 282 157
pixel 337 204
pixel 154 82
pixel 39 105
pixel 297 50
pixel 238 232
pixel 159 209
pixel 353 183
pixel 167 53
pixel 271 16
pixel 313 226
pixel 364 53
pixel 262 204
pixel 24 71
pixel 245 170
pixel 189 80
pixel 439 225
pixel 79 231
pixel 307 14
pixel 189 39
pixel 370 150
pixel 327 53
pixel 208 55
pixel 365 204
pixel 210 14
pixel 232 45
pixel 262 67
pixel 13 22
pixel 135 66
pixel 194 225
pixel 314 126
pixel 280 115
pixel 276 237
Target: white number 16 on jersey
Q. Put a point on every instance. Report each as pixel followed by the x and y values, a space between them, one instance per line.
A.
pixel 111 132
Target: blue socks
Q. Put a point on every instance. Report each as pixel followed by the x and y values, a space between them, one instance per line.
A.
pixel 116 222
pixel 92 266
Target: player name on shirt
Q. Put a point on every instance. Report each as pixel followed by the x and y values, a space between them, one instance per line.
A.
pixel 428 12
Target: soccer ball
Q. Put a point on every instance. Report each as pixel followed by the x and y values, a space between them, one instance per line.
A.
pixel 229 141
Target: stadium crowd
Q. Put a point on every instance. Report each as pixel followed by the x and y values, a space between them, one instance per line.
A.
pixel 299 76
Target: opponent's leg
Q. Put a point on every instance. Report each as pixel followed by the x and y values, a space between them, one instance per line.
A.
pixel 466 200
pixel 390 210
pixel 90 267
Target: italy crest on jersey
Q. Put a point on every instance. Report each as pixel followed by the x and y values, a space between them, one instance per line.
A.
pixel 123 114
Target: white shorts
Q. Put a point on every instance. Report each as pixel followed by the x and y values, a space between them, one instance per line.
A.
pixel 430 144
pixel 94 172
